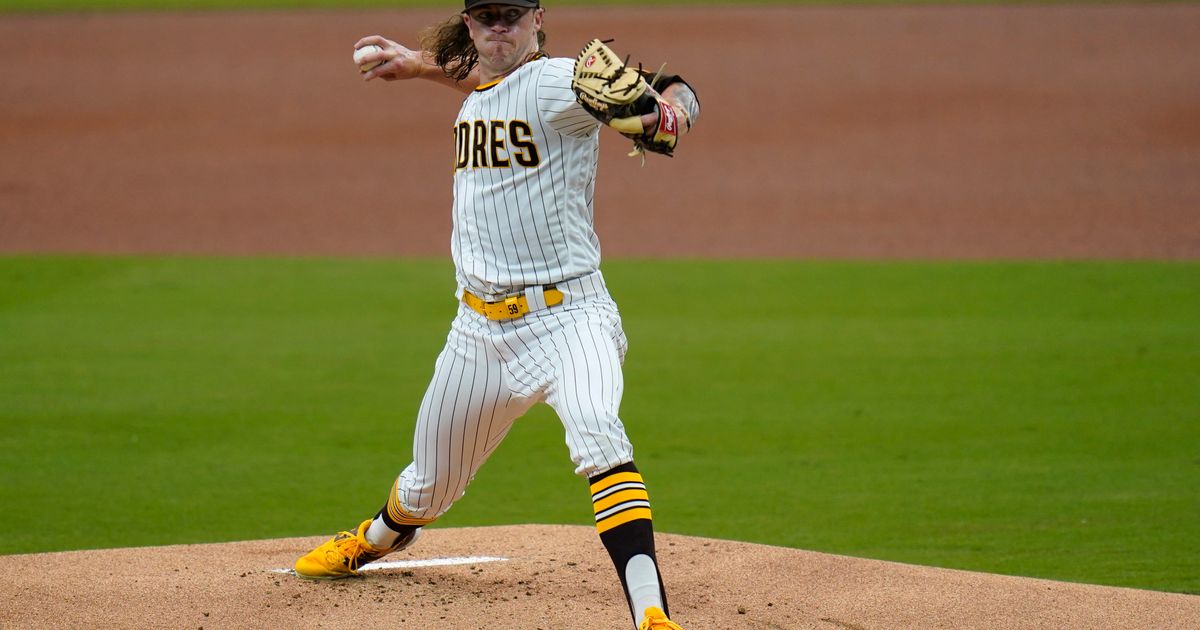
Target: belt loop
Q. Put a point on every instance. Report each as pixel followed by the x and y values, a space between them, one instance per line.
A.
pixel 536 297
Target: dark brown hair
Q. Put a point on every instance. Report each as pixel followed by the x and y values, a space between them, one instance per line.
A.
pixel 452 49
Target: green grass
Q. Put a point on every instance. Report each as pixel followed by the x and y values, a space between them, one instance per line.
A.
pixel 1027 418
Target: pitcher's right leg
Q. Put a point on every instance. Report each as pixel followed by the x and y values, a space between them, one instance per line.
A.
pixel 467 410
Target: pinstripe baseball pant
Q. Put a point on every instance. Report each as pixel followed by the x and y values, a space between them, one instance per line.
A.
pixel 491 372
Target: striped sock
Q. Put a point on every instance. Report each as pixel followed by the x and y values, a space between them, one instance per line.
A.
pixel 623 520
pixel 618 497
pixel 394 513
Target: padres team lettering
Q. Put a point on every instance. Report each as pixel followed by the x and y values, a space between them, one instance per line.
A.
pixel 495 144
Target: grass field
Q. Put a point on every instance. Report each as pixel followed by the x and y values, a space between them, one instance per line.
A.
pixel 1029 418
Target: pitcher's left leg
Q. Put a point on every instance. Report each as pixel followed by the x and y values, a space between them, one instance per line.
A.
pixel 586 393
pixel 625 525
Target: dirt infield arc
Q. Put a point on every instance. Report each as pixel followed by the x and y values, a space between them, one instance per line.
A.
pixel 897 132
pixel 555 577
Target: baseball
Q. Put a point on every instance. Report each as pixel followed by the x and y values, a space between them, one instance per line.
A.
pixel 359 53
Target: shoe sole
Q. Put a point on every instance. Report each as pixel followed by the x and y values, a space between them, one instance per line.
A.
pixel 325 577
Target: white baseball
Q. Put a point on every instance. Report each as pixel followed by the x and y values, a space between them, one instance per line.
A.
pixel 359 53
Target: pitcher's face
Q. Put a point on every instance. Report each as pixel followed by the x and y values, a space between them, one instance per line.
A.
pixel 504 35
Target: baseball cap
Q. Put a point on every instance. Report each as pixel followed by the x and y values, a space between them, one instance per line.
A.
pixel 470 4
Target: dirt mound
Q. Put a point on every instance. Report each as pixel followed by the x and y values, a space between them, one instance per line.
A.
pixel 551 576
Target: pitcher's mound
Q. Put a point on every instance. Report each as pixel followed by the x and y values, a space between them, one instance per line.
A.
pixel 551 577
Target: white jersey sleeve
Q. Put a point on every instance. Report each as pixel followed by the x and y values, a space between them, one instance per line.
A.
pixel 557 103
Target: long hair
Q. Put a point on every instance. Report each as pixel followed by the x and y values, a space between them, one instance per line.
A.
pixel 452 49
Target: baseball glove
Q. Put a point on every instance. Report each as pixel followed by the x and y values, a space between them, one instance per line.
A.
pixel 618 96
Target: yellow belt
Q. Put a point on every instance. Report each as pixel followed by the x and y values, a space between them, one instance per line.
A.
pixel 509 308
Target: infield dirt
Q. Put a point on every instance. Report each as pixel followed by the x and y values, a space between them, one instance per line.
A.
pixel 934 132
pixel 555 576
pixel 983 132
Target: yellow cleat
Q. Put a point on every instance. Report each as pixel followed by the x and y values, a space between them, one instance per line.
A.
pixel 342 555
pixel 656 619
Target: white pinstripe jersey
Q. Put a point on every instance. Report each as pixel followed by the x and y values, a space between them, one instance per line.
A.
pixel 525 170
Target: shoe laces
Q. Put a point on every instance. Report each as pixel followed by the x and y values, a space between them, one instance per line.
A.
pixel 349 548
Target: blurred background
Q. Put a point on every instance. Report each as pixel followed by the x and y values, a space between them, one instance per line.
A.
pixel 921 285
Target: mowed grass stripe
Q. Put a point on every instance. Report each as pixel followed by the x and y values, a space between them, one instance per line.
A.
pixel 1028 418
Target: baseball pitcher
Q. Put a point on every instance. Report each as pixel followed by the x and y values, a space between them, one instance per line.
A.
pixel 535 321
